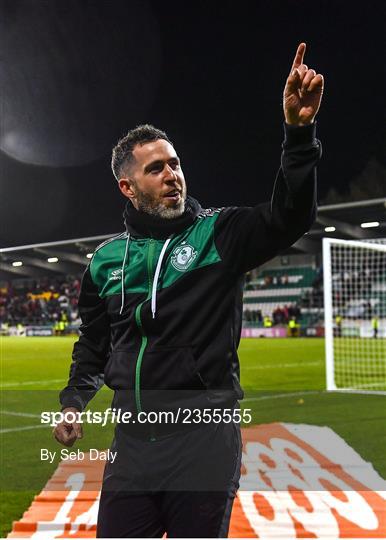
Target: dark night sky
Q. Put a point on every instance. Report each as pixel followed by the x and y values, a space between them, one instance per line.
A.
pixel 75 75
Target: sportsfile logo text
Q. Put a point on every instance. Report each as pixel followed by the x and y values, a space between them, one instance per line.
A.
pixel 180 415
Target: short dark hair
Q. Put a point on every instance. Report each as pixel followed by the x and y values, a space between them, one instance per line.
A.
pixel 123 151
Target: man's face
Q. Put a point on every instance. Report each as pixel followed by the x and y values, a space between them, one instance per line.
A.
pixel 155 182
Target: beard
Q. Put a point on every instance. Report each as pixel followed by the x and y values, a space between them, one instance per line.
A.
pixel 156 207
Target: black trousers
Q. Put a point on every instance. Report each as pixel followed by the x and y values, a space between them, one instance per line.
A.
pixel 183 484
pixel 180 514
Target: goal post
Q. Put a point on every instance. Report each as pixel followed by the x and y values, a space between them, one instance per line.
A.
pixel 354 276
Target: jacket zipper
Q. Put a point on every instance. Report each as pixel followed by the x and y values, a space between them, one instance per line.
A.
pixel 150 256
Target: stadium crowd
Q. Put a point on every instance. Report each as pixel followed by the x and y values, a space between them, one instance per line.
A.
pixel 47 301
pixel 43 301
pixel 281 315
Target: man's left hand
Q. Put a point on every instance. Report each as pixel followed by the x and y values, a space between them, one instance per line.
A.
pixel 303 92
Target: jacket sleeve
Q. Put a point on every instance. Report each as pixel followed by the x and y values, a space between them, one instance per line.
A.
pixel 246 237
pixel 90 352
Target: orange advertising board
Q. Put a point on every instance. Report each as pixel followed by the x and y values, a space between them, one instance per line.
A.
pixel 297 481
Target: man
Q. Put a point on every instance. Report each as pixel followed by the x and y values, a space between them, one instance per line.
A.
pixel 292 327
pixel 338 325
pixel 375 326
pixel 161 307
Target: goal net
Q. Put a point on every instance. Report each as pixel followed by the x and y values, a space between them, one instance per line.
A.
pixel 354 274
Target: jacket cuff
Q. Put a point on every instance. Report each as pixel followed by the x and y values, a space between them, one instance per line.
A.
pixel 299 135
pixel 72 401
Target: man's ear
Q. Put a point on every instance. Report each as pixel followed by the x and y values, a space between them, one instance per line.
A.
pixel 126 187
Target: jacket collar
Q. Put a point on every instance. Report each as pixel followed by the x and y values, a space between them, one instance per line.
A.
pixel 140 224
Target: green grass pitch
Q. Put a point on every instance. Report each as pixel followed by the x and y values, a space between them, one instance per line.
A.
pixel 283 380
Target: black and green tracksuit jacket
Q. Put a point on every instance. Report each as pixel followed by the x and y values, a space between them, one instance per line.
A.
pixel 161 304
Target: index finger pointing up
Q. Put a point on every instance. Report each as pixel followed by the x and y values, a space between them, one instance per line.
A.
pixel 298 60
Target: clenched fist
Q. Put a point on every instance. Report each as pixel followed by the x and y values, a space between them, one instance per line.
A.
pixel 68 432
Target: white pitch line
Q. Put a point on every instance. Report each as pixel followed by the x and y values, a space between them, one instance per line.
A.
pixel 27 383
pixel 24 428
pixel 27 415
pixel 278 396
pixel 289 365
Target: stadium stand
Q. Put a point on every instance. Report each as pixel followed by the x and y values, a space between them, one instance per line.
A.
pixel 276 294
pixel 39 302
pixel 282 294
pixel 290 286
